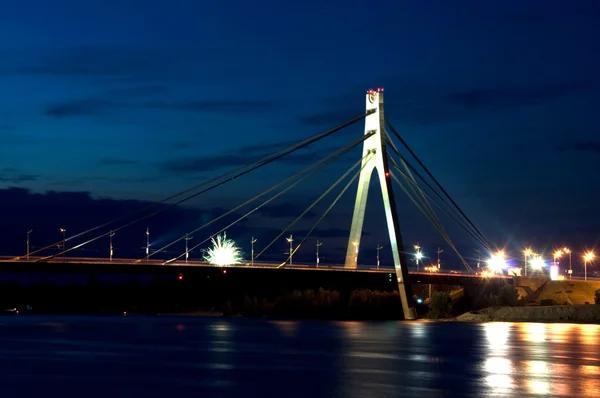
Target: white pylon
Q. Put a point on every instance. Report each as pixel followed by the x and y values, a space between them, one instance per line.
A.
pixel 375 147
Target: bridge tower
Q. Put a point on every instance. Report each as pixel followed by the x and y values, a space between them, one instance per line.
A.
pixel 375 145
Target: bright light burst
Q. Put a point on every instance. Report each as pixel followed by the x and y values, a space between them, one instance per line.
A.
pixel 224 252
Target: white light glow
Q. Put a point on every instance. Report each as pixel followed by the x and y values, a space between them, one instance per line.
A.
pixel 497 262
pixel 224 252
pixel 537 263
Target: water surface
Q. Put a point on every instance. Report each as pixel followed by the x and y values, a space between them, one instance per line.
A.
pixel 43 356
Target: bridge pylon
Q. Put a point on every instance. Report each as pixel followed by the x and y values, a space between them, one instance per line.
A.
pixel 375 146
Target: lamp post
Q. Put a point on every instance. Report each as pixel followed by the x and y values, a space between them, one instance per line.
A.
pixel 64 240
pixel 187 252
pixel 568 251
pixel 526 254
pixel 252 242
pixel 378 248
pixel 29 231
pixel 147 244
pixel 439 250
pixel 110 245
pixel 355 253
pixel 587 257
pixel 291 242
pixel 418 255
pixel 319 244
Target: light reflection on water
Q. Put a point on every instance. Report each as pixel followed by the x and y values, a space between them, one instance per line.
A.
pixel 83 356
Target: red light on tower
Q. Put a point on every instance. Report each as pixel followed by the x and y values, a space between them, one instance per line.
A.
pixel 180 277
pixel 387 173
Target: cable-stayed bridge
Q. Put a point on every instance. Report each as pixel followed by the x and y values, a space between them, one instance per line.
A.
pixel 380 153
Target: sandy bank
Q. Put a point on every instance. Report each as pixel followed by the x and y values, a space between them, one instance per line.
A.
pixel 556 313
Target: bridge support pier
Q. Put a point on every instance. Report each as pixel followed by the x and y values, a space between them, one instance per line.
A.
pixel 375 147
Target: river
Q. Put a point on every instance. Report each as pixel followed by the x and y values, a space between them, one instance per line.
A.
pixel 42 356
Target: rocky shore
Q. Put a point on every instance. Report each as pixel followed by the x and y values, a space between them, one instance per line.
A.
pixel 555 313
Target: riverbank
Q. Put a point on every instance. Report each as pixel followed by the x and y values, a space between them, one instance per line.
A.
pixel 555 313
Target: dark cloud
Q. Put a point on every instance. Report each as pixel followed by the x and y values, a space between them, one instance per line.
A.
pixel 580 146
pixel 233 106
pixel 241 157
pixel 331 118
pixel 79 211
pixel 506 98
pixel 84 107
pixel 15 176
pixel 116 161
pixel 283 210
pixel 137 91
pixel 95 107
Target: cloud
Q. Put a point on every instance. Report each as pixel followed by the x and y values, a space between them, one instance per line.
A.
pixel 109 161
pixel 15 176
pixel 98 106
pixel 580 146
pixel 507 98
pixel 242 156
pixel 283 210
pixel 332 118
pixel 84 107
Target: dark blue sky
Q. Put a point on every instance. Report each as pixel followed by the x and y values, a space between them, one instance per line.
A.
pixel 138 99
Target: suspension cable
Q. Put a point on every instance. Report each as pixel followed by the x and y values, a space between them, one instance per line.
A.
pixel 241 173
pixel 449 210
pixel 431 176
pixel 313 204
pixel 343 191
pixel 253 166
pixel 259 206
pixel 322 162
pixel 436 223
pixel 454 216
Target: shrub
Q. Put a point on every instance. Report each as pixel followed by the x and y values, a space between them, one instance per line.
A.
pixel 440 305
pixel 507 295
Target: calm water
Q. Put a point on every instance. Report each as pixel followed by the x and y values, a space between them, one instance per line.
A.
pixel 214 357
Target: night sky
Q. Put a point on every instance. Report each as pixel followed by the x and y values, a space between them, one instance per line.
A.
pixel 104 104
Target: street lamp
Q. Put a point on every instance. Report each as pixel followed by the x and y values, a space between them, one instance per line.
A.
pixel 557 254
pixel 319 244
pixel 378 248
pixel 568 251
pixel 64 231
pixel 147 244
pixel 291 242
pixel 187 252
pixel 252 242
pixel 29 231
pixel 526 253
pixel 110 245
pixel 418 255
pixel 587 257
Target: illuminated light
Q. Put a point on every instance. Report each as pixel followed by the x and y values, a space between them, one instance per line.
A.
pixel 554 272
pixel 224 271
pixel 558 254
pixel 538 387
pixel 537 263
pixel 224 252
pixel 180 277
pixel 589 256
pixel 527 252
pixel 419 300
pixel 497 262
pixel 387 174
